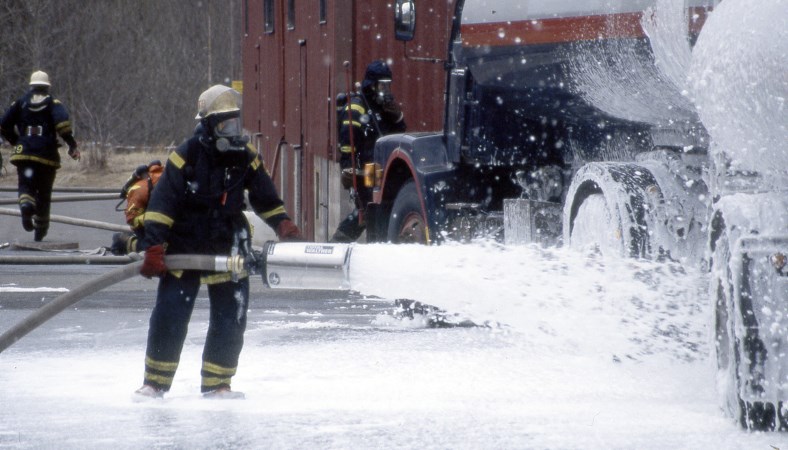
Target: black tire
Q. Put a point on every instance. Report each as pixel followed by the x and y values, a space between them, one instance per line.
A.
pixel 407 223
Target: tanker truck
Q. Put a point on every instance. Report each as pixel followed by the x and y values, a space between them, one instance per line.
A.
pixel 574 123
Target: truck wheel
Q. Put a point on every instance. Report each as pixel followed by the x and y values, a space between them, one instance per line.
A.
pixel 761 416
pixel 595 225
pixel 610 208
pixel 407 223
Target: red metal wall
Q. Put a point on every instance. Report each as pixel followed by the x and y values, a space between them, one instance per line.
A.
pixel 292 75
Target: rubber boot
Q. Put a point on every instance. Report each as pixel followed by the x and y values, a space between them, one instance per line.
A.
pixel 27 211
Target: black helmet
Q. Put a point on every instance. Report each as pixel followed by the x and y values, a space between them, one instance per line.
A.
pixel 376 70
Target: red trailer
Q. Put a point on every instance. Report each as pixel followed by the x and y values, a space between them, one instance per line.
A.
pixel 293 68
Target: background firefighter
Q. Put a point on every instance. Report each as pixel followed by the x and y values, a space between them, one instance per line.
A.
pixel 197 208
pixel 136 192
pixel 31 125
pixel 370 115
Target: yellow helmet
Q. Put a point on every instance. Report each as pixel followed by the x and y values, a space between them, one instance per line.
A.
pixel 218 99
pixel 39 78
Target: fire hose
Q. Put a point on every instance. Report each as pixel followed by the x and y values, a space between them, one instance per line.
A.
pixel 67 198
pixel 73 221
pixel 293 265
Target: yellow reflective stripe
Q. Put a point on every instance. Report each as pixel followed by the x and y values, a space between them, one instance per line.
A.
pixel 46 162
pixel 135 187
pixel 138 222
pixel 176 159
pixel 27 198
pixel 256 163
pixel 217 369
pixel 273 212
pixel 161 365
pixel 214 381
pixel 358 108
pixel 346 149
pixel 158 379
pixel 63 127
pixel 159 217
pixel 221 277
pixel 355 124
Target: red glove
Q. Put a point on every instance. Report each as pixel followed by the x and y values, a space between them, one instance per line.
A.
pixel 153 265
pixel 288 231
pixel 74 153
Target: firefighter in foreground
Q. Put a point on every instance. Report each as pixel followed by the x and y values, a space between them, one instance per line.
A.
pixel 197 208
pixel 31 125
pixel 368 116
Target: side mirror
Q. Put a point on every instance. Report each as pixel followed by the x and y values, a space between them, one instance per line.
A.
pixel 405 20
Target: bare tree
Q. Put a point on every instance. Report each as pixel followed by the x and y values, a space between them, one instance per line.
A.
pixel 130 71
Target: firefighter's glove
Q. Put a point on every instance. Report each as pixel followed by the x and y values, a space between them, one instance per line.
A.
pixel 153 265
pixel 392 109
pixel 74 153
pixel 347 178
pixel 287 231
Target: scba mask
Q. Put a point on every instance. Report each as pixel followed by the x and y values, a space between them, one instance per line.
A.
pixel 228 135
pixel 383 88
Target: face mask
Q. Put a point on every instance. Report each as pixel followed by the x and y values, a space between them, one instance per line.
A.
pixel 383 87
pixel 228 128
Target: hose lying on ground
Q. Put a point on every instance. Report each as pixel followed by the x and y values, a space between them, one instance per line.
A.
pixel 67 198
pixel 73 221
pixel 51 309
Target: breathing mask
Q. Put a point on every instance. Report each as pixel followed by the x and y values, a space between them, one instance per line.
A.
pixel 383 88
pixel 228 134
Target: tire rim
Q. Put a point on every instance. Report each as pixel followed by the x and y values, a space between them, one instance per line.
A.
pixel 412 229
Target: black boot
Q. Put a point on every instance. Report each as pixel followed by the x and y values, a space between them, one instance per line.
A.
pixel 39 234
pixel 27 211
pixel 41 226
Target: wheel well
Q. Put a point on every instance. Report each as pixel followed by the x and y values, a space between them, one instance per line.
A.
pixel 586 189
pixel 397 175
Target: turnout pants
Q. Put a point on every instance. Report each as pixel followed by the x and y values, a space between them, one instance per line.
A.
pixel 34 186
pixel 169 323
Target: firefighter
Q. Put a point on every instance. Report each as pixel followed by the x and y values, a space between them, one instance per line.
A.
pixel 368 116
pixel 136 191
pixel 197 208
pixel 31 125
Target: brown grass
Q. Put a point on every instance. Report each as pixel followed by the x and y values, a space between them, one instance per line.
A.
pixel 97 168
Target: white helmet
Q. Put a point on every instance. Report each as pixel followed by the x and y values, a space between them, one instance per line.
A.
pixel 39 78
pixel 218 99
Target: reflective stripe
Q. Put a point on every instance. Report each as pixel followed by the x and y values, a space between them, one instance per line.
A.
pixel 138 222
pixel 355 124
pixel 358 108
pixel 273 212
pixel 27 198
pixel 63 127
pixel 159 379
pixel 176 159
pixel 346 149
pixel 46 162
pixel 214 381
pixel 223 277
pixel 217 369
pixel 159 217
pixel 168 366
pixel 256 162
